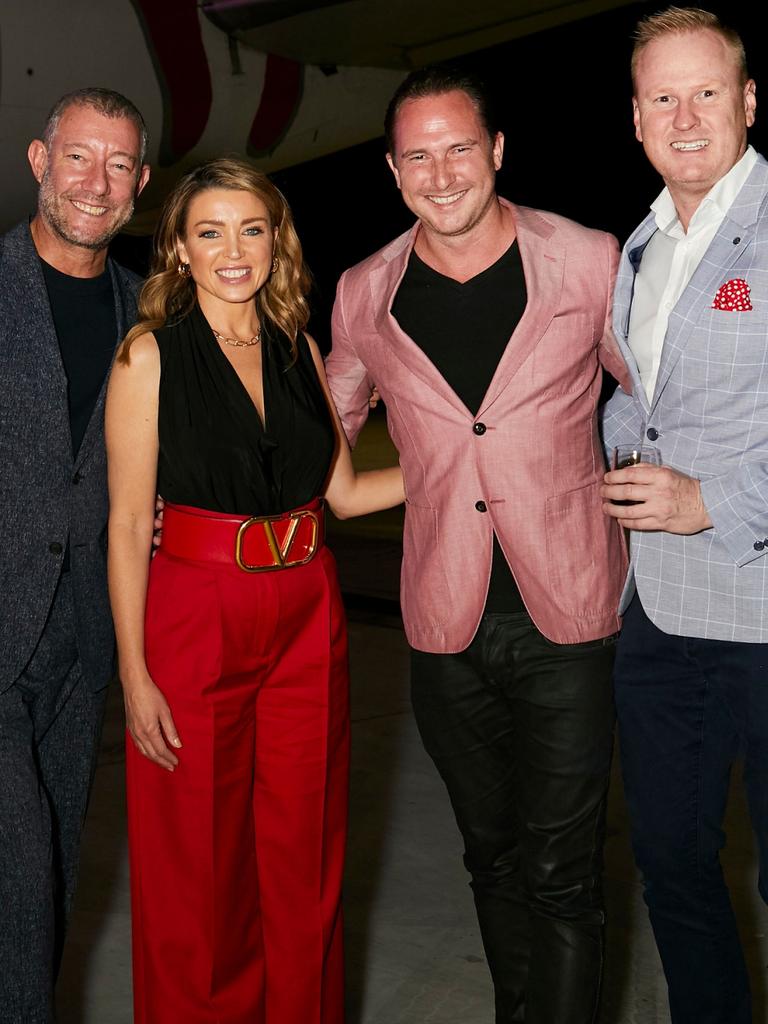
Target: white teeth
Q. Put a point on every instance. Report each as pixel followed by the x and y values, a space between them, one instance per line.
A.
pixel 95 211
pixel 234 273
pixel 688 146
pixel 447 200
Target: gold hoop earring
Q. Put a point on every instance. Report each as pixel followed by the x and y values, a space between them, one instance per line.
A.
pixel 275 264
pixel 183 270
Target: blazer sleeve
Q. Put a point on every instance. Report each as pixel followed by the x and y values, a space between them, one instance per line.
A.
pixel 348 378
pixel 737 504
pixel 621 421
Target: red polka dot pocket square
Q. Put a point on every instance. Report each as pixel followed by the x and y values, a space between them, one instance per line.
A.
pixel 733 296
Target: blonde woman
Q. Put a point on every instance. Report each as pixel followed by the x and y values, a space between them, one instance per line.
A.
pixel 232 644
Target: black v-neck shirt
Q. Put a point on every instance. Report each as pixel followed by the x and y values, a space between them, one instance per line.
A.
pixel 215 453
pixel 464 329
pixel 83 310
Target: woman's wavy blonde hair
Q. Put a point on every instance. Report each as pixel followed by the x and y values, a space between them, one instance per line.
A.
pixel 167 295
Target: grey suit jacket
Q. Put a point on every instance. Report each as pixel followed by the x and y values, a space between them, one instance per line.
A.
pixel 710 410
pixel 47 498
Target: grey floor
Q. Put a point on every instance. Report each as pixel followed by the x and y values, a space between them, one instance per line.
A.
pixel 414 953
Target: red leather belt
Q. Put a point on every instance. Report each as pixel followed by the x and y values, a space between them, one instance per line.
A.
pixel 253 543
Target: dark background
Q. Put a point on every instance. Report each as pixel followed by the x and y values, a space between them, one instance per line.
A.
pixel 564 100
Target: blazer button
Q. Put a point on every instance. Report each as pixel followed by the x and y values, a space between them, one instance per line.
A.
pixel 758 545
pixel 479 429
pixel 481 506
pixel 652 433
pixel 55 548
pixel 76 478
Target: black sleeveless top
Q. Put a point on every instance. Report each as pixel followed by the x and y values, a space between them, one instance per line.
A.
pixel 214 452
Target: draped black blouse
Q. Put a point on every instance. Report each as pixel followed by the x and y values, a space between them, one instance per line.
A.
pixel 214 451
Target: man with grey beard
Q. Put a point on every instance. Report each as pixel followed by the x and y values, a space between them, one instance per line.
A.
pixel 64 306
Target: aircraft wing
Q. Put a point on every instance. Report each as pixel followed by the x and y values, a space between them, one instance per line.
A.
pixel 401 34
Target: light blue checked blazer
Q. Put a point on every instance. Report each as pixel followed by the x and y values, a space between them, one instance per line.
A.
pixel 710 410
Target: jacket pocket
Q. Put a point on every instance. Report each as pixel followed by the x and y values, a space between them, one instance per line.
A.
pixel 583 565
pixel 425 592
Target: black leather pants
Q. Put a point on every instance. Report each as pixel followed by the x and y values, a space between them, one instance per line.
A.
pixel 521 731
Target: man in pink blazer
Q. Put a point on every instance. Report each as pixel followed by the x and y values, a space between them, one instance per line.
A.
pixel 484 329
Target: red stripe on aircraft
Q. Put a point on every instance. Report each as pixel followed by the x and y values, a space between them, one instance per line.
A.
pixel 280 98
pixel 172 31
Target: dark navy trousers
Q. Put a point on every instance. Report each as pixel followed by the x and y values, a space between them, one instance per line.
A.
pixel 49 728
pixel 687 708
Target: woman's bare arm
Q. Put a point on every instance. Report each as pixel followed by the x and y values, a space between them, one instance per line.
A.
pixel 132 450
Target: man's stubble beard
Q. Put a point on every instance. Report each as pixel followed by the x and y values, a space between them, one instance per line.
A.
pixel 50 203
pixel 470 224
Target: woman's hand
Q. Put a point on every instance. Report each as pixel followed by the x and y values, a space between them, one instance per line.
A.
pixel 150 723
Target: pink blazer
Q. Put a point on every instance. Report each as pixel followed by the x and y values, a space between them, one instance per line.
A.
pixel 539 463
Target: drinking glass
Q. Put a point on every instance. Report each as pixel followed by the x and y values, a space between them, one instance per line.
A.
pixel 631 455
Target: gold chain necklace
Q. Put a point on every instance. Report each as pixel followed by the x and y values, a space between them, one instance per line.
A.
pixel 235 342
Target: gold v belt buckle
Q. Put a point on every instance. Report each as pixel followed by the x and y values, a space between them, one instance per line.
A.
pixel 280 551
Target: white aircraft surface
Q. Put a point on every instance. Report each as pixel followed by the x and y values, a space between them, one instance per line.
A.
pixel 281 81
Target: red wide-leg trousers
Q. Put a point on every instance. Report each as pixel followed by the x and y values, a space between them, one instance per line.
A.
pixel 237 856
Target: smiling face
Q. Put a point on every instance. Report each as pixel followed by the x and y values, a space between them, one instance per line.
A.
pixel 691 112
pixel 89 177
pixel 228 243
pixel 445 163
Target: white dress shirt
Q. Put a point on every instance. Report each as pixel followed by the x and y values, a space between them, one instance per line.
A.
pixel 669 261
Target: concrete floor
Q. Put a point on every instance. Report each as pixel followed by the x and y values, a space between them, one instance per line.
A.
pixel 414 953
pixel 413 948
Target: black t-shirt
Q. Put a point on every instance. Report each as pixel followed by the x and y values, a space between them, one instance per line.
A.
pixel 83 311
pixel 215 453
pixel 464 330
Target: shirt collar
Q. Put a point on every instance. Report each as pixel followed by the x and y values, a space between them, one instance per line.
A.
pixel 715 204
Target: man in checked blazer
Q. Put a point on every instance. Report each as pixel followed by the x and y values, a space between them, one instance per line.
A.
pixel 63 308
pixel 691 317
pixel 485 328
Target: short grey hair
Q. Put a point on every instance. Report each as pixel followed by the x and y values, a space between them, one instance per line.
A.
pixel 106 102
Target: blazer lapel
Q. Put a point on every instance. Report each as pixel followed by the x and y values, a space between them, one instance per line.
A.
pixel 625 281
pixel 94 432
pixel 543 257
pixel 733 237
pixel 22 277
pixel 384 282
pixel 700 290
pixel 622 299
pixel 28 328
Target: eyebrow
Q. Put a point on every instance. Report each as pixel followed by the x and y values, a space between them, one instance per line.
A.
pixel 221 223
pixel 707 83
pixel 85 145
pixel 425 149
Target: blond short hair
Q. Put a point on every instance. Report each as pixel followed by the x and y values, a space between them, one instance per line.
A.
pixel 678 20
